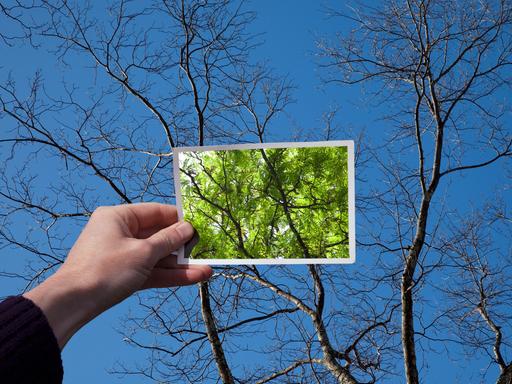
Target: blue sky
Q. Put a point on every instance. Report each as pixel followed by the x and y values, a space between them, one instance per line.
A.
pixel 290 29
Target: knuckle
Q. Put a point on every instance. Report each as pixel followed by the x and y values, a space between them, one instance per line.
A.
pixel 145 247
pixel 169 240
pixel 100 210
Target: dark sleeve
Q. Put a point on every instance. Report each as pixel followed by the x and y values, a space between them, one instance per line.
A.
pixel 29 352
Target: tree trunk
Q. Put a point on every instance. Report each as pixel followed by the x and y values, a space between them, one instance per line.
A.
pixel 505 376
pixel 213 336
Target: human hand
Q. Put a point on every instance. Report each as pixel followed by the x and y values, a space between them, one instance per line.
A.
pixel 121 250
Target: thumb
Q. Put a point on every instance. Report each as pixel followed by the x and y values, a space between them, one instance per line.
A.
pixel 170 239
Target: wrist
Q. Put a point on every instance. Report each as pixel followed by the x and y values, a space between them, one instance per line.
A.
pixel 67 302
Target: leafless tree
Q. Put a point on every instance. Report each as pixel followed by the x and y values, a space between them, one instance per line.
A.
pixel 479 292
pixel 440 66
pixel 158 76
pixel 170 73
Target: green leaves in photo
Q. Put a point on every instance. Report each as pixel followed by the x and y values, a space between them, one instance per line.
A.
pixel 267 203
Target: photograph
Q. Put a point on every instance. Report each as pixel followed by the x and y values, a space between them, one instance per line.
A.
pixel 279 203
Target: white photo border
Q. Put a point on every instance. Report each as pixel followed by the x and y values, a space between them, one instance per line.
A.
pixel 351 202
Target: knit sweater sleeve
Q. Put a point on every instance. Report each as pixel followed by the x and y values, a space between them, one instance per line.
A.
pixel 29 352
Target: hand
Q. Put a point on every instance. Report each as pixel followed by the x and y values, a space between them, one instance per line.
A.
pixel 121 250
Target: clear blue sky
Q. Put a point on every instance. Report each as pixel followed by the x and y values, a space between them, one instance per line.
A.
pixel 290 28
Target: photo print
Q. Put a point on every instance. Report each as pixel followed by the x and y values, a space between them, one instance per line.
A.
pixel 275 203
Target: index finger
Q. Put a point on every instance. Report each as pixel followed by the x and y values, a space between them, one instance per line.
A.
pixel 151 215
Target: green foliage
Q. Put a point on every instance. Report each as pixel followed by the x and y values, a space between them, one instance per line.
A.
pixel 271 203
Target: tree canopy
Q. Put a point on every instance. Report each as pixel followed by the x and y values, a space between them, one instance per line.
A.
pixel 275 203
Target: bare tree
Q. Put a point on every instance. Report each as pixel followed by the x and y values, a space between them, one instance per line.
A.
pixel 438 64
pixel 291 305
pixel 177 73
pixel 479 292
pixel 170 73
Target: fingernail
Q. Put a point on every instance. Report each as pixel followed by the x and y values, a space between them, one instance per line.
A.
pixel 185 229
pixel 207 274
